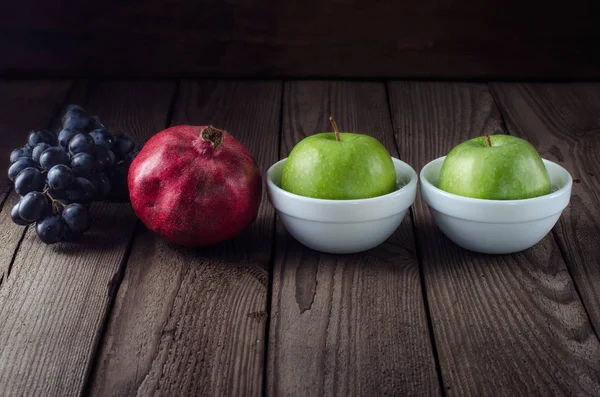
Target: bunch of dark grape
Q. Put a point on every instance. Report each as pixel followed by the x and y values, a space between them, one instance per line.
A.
pixel 59 174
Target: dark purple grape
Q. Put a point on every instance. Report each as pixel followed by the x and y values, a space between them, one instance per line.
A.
pixel 19 166
pixel 77 119
pixel 60 177
pixel 16 218
pixel 101 132
pixel 104 157
pixel 95 123
pixel 32 206
pixel 81 143
pixel 71 111
pixel 76 218
pixel 41 136
pixel 101 138
pixel 109 140
pixel 82 191
pixel 121 170
pixel 24 152
pixel 83 164
pixel 50 229
pixel 130 157
pixel 122 144
pixel 65 136
pixel 101 183
pixel 38 150
pixel 53 156
pixel 56 194
pixel 29 180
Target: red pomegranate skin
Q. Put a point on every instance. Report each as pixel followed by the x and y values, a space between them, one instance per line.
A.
pixel 195 185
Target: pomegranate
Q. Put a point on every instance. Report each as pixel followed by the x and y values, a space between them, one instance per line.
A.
pixel 195 185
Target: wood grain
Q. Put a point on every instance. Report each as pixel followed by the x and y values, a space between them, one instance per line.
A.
pixel 25 105
pixel 192 322
pixel 10 236
pixel 346 324
pixel 53 305
pixel 343 38
pixel 505 325
pixel 563 123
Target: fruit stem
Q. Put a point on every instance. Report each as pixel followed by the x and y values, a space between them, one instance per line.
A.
pixel 335 128
pixel 487 139
pixel 53 200
pixel 212 135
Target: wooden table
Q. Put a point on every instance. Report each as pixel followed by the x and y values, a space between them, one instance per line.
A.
pixel 123 313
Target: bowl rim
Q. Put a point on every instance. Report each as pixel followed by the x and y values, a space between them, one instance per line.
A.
pixel 412 183
pixel 497 211
pixel 556 193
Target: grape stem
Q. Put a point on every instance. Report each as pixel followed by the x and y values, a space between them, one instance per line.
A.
pixel 335 128
pixel 54 201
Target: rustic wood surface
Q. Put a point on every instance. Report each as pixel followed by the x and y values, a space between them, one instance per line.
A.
pixel 41 97
pixel 563 122
pixel 346 324
pixel 300 38
pixel 26 105
pixel 503 324
pixel 56 298
pixel 192 322
pixel 123 313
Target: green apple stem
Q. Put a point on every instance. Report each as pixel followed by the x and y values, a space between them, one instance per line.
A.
pixel 487 139
pixel 335 128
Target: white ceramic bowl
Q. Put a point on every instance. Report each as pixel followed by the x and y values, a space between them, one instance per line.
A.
pixel 342 226
pixel 495 226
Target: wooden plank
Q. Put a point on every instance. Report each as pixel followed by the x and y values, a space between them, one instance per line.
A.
pixel 387 38
pixel 347 324
pixel 10 236
pixel 192 322
pixel 24 105
pixel 53 305
pixel 563 122
pixel 504 324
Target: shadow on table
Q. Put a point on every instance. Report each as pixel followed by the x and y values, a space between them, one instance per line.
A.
pixel 438 252
pixel 112 226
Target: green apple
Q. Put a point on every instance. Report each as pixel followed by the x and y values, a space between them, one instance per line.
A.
pixel 339 166
pixel 495 167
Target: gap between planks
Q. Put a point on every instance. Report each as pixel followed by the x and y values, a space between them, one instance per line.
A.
pixel 78 378
pixel 559 243
pixel 553 152
pixel 199 101
pixel 117 280
pixel 338 287
pixel 418 247
pixel 272 259
pixel 430 120
pixel 52 122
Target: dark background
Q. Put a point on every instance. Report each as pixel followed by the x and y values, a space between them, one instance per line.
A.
pixel 311 38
